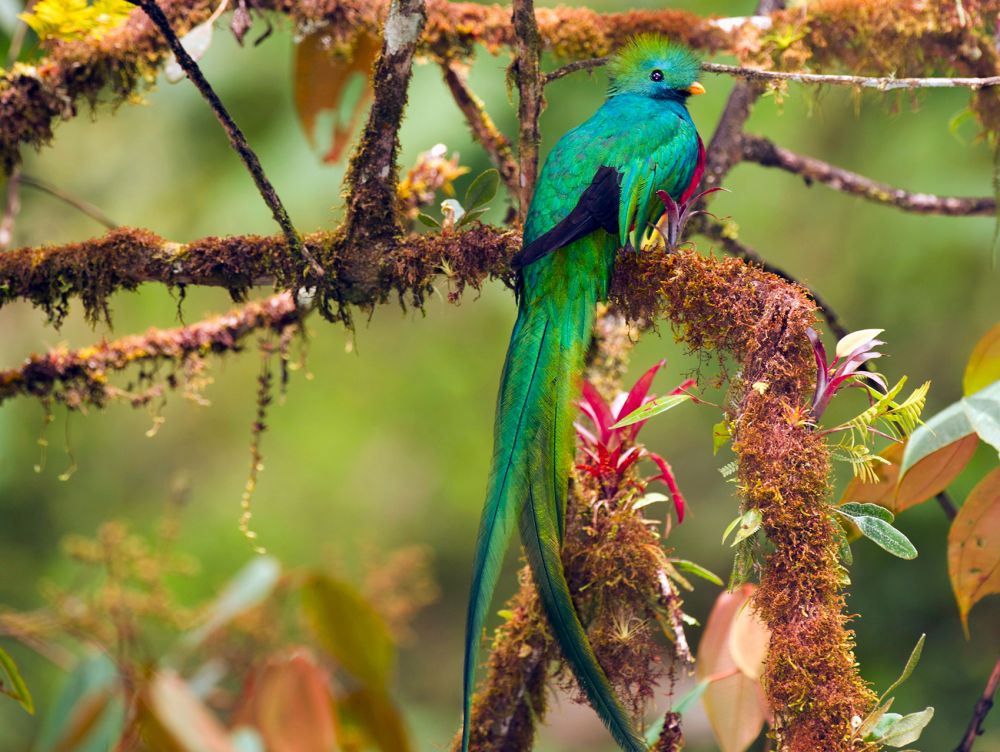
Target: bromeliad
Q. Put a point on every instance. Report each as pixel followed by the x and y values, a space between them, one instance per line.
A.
pixel 596 194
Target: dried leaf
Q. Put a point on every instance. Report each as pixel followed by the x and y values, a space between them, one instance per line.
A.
pixel 974 546
pixel 983 367
pixel 328 82
pixel 288 701
pixel 735 705
pixel 748 641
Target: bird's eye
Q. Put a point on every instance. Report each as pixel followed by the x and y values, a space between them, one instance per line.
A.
pixel 656 75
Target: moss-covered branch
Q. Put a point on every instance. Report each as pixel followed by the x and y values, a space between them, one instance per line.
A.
pixel 862 36
pixel 79 378
pixel 50 276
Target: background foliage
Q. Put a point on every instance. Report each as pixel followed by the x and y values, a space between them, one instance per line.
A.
pixel 383 439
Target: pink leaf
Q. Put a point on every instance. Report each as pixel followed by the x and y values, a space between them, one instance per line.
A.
pixel 602 417
pixel 667 476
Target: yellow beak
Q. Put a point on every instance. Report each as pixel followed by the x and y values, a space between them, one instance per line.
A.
pixel 696 88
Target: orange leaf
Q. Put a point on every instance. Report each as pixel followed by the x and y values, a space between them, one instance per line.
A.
pixel 734 703
pixel 174 719
pixel 288 701
pixel 929 477
pixel 323 80
pixel 974 546
pixel 983 367
pixel 748 640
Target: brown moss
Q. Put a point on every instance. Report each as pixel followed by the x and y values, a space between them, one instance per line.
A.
pixel 811 679
pixel 79 378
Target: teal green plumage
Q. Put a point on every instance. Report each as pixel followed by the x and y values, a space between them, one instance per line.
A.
pixel 580 215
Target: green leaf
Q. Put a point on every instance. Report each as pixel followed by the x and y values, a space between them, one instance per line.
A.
pixel 902 730
pixel 911 663
pixel 88 714
pixel 348 629
pixel 378 717
pixel 428 221
pixel 976 413
pixel 697 570
pixel 471 215
pixel 13 686
pixel 650 498
pixel 872 720
pixel 854 508
pixel 482 190
pixel 651 408
pixel 750 523
pixel 880 532
pixel 721 435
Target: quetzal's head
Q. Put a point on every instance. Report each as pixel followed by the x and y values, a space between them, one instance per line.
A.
pixel 652 66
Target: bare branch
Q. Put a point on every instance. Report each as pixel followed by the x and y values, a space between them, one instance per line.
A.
pixel 79 377
pixel 577 65
pixel 77 203
pixel 764 152
pixel 527 73
pixel 483 129
pixel 983 707
pixel 236 137
pixel 947 505
pixel 882 83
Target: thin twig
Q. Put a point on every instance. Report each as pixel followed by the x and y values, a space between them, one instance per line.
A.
pixel 983 706
pixel 716 231
pixel 765 152
pixel 236 137
pixel 83 206
pixel 947 505
pixel 483 128
pixel 11 206
pixel 527 51
pixel 881 83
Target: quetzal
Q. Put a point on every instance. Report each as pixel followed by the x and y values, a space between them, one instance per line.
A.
pixel 596 194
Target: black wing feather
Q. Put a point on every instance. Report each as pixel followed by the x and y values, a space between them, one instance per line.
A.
pixel 597 209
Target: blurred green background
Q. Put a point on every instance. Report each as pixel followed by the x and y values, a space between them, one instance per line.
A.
pixel 388 443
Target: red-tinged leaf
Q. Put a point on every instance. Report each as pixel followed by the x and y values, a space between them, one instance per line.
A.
pixel 974 546
pixel 637 394
pixel 322 79
pixel 667 476
pixel 929 477
pixel 173 719
pixel 599 412
pixel 683 387
pixel 734 703
pixel 983 367
pixel 748 641
pixel 624 462
pixel 584 434
pixel 288 701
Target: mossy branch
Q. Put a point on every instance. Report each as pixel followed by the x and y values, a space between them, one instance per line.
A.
pixel 79 378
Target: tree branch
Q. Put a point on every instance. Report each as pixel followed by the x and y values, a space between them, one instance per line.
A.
pixel 373 219
pixel 50 276
pixel 483 129
pixel 78 378
pixel 983 706
pixel 236 137
pixel 882 83
pixel 764 152
pixel 527 73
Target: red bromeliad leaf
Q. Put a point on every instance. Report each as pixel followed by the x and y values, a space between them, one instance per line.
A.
pixel 598 411
pixel 323 78
pixel 667 476
pixel 637 394
pixel 974 546
pixel 288 701
pixel 734 703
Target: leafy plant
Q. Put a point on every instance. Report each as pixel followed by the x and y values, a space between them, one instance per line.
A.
pixel 477 197
pixel 611 448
